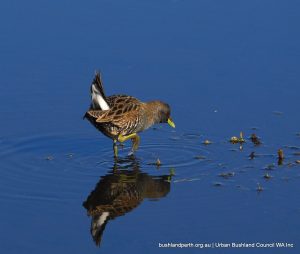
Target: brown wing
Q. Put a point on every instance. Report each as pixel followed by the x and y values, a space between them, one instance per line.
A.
pixel 123 109
pixel 96 113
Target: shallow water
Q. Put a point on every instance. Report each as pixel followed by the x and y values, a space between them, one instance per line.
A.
pixel 223 68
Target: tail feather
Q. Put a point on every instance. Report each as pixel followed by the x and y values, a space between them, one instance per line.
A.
pixel 97 93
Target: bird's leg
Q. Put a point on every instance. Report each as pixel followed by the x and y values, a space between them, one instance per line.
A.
pixel 135 143
pixel 122 138
pixel 115 147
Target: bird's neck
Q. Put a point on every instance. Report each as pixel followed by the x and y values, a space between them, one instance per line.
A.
pixel 153 112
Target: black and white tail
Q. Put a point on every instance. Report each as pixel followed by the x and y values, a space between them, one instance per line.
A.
pixel 98 95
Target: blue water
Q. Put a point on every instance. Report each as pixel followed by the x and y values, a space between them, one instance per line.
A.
pixel 223 66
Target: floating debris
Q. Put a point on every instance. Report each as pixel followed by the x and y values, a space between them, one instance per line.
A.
pixel 157 163
pixel 280 156
pixel 267 176
pixel 259 188
pixel 297 161
pixel 200 157
pixel 49 158
pixel 255 140
pixel 206 142
pixel 235 140
pixel 227 175
pixel 252 155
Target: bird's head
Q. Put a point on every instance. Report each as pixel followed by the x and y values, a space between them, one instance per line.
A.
pixel 163 113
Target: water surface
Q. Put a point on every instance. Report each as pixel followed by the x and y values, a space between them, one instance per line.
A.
pixel 223 67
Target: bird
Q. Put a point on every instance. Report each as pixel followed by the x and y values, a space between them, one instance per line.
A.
pixel 121 117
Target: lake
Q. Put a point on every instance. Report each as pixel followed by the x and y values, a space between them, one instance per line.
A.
pixel 225 67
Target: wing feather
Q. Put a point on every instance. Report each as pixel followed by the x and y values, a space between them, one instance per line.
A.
pixel 124 110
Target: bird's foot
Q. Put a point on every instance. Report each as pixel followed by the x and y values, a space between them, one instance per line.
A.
pixel 135 143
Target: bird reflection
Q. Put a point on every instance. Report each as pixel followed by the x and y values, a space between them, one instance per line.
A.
pixel 120 191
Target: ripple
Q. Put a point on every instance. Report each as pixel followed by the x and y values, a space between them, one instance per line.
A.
pixel 172 155
pixel 57 167
pixel 26 173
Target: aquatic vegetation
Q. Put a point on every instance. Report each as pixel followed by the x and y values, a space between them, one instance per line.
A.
pixel 255 140
pixel 172 171
pixel 235 140
pixel 157 163
pixel 280 156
